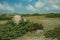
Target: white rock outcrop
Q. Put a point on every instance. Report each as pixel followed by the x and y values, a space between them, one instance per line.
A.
pixel 17 19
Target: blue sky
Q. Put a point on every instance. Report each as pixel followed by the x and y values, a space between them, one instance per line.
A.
pixel 29 6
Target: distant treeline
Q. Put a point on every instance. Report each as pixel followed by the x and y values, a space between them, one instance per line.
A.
pixel 5 17
pixel 35 14
pixel 9 16
pixel 52 15
pixel 49 15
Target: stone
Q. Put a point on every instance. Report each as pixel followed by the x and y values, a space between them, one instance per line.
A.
pixel 17 19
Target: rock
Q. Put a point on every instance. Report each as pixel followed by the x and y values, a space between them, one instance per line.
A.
pixel 17 19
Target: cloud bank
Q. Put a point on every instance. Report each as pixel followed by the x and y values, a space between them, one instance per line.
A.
pixel 39 6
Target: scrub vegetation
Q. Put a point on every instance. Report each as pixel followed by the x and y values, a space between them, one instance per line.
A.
pixel 49 23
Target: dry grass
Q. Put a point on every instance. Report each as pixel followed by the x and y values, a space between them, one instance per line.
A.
pixel 48 24
pixel 3 21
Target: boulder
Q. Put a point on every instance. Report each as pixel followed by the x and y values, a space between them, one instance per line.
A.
pixel 17 19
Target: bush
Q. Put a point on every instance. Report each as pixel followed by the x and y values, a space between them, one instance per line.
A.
pixel 11 31
pixel 55 33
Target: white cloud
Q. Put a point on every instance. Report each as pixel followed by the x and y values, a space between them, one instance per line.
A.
pixel 39 4
pixel 6 7
pixel 29 0
pixel 46 8
pixel 52 4
pixel 55 7
pixel 30 7
pixel 18 5
pixel 52 7
pixel 52 1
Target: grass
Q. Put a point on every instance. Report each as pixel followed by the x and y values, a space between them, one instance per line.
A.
pixel 48 24
pixel 55 33
pixel 10 30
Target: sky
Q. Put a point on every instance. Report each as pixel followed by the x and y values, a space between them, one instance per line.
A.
pixel 29 6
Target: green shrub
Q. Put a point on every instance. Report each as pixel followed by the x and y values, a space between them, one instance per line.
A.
pixel 5 18
pixel 11 31
pixel 55 33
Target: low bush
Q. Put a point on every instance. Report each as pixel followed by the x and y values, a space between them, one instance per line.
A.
pixel 55 33
pixel 11 31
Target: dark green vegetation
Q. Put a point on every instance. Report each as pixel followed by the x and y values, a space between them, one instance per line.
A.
pixel 55 33
pixel 9 16
pixel 52 15
pixel 5 18
pixel 11 31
